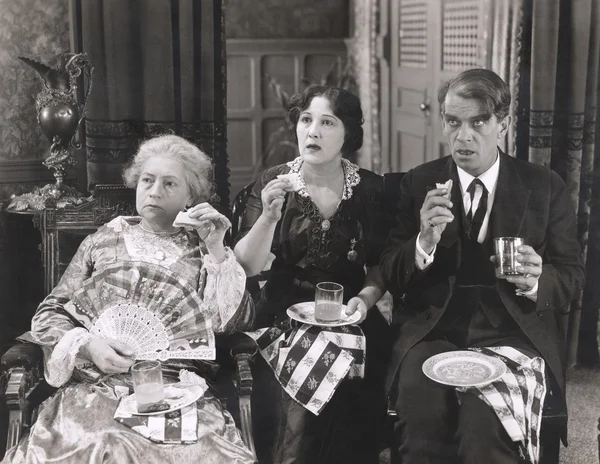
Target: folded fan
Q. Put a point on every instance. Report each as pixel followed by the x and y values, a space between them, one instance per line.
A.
pixel 147 307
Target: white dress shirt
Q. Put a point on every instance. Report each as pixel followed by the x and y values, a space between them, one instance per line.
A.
pixel 490 179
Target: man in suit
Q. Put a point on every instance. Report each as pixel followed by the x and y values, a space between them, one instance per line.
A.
pixel 439 262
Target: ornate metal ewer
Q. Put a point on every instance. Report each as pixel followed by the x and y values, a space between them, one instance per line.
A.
pixel 59 116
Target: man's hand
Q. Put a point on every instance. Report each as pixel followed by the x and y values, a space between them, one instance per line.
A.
pixel 530 266
pixel 110 356
pixel 357 304
pixel 435 215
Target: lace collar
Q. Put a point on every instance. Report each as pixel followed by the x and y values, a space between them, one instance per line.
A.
pixel 351 177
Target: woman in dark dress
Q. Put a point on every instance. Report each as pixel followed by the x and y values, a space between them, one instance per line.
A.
pixel 324 225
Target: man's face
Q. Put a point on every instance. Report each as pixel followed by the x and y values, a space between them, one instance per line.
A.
pixel 472 134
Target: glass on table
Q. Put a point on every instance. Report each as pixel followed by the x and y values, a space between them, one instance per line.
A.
pixel 328 302
pixel 506 252
pixel 147 383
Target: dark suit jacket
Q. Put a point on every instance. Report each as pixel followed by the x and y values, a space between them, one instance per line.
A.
pixel 531 201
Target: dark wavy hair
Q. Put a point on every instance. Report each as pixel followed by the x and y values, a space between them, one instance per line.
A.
pixel 345 106
pixel 482 85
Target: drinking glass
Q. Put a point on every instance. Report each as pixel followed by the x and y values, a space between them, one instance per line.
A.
pixel 147 383
pixel 506 256
pixel 328 302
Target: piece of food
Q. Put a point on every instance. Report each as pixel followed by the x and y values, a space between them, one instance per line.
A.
pixel 153 407
pixel 294 179
pixel 446 185
pixel 183 219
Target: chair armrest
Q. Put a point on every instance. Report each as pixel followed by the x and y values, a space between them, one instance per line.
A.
pixel 25 355
pixel 244 382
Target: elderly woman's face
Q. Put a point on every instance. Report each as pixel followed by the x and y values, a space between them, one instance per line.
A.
pixel 162 191
pixel 320 133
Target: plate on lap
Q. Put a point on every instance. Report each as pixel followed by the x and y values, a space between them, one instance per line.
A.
pixel 176 397
pixel 463 368
pixel 305 313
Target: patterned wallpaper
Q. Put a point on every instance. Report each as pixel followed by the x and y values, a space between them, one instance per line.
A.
pixel 37 29
pixel 293 19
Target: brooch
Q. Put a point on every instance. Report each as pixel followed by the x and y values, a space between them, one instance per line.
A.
pixel 352 254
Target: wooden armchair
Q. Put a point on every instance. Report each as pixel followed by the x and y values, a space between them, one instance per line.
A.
pixel 21 370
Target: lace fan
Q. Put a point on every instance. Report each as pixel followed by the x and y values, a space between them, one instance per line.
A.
pixel 148 307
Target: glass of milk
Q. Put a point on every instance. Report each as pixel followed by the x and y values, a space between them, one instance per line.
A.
pixel 147 383
pixel 328 302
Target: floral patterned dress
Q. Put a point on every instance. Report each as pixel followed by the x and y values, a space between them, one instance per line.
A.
pixel 329 419
pixel 77 424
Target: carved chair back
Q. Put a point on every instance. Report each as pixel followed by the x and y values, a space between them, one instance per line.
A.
pixel 64 229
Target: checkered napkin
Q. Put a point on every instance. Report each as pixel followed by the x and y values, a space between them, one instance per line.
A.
pixel 175 427
pixel 310 362
pixel 517 397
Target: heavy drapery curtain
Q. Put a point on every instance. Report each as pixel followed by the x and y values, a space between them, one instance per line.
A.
pixel 552 54
pixel 565 54
pixel 159 67
pixel 362 48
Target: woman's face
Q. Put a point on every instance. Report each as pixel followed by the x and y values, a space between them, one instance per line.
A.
pixel 320 133
pixel 162 191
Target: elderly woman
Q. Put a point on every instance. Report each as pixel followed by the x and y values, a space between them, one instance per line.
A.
pixel 78 423
pixel 325 224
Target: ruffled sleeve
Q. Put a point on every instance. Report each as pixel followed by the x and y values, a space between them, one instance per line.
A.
pixel 52 328
pixel 225 294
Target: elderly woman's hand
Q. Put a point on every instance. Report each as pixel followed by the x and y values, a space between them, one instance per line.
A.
pixel 110 356
pixel 212 231
pixel 273 196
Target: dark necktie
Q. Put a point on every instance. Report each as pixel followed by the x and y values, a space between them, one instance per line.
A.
pixel 475 219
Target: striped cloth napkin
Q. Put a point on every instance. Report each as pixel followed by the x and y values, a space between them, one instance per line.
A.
pixel 174 427
pixel 517 397
pixel 310 362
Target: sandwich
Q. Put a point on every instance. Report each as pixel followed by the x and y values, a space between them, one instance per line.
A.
pixel 446 185
pixel 203 227
pixel 294 179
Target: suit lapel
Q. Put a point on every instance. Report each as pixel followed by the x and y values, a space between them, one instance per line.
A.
pixel 510 201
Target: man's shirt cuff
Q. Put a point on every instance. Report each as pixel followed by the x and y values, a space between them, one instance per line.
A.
pixel 531 294
pixel 422 259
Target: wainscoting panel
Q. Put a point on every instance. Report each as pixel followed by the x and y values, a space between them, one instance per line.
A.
pixel 254 112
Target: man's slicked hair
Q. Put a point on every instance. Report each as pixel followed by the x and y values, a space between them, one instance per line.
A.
pixel 482 85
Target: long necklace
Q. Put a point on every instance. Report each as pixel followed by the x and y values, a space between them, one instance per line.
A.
pixel 158 233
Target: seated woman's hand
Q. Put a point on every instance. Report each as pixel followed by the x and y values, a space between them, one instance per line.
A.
pixel 110 356
pixel 213 228
pixel 357 304
pixel 272 196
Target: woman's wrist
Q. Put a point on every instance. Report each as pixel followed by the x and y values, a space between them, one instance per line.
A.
pixel 84 349
pixel 267 220
pixel 366 299
pixel 217 253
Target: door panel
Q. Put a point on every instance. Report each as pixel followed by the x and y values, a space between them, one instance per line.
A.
pixel 411 66
pixel 428 42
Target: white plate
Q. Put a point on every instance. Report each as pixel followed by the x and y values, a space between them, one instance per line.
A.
pixel 176 395
pixel 463 368
pixel 305 312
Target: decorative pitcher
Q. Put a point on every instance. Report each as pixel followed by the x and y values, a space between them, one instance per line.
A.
pixel 59 114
